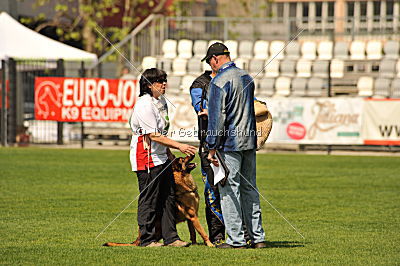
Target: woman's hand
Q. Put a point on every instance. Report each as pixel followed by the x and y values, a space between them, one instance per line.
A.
pixel 187 149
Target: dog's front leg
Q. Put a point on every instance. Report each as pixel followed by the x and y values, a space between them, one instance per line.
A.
pixel 192 232
pixel 196 223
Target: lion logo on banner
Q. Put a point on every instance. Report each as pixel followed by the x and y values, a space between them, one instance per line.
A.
pixel 47 95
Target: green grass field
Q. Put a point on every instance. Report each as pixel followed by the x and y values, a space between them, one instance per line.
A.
pixel 54 202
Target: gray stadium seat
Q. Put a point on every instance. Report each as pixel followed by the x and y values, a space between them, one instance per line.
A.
pixel 287 68
pixel 396 88
pixel 246 49
pixel 320 68
pixel 194 66
pixel 382 87
pixel 303 68
pixel 165 64
pixel 387 68
pixel 365 86
pixel 391 49
pixel 293 50
pixel 232 47
pixel 299 86
pixel 179 66
pixel 256 66
pixel 316 87
pixel 266 87
pixel 200 48
pixel 341 50
pixel 260 49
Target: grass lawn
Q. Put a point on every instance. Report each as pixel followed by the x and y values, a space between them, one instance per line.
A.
pixel 54 202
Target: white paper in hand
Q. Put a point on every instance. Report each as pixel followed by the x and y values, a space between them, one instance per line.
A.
pixel 219 172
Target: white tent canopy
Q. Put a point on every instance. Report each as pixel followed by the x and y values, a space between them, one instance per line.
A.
pixel 20 42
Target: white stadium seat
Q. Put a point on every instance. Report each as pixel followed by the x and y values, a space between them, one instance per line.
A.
pixel 233 48
pixel 185 48
pixel 293 50
pixel 261 50
pixel 242 63
pixel 165 64
pixel 325 50
pixel 179 66
pixel 212 42
pixel 205 66
pixel 357 50
pixel 187 81
pixel 374 50
pixel 246 49
pixel 365 86
pixel 337 68
pixel 309 50
pixel 200 48
pixel 169 48
pixel 173 84
pixel 282 86
pixel 272 68
pixel 276 50
pixel 149 62
pixel 303 68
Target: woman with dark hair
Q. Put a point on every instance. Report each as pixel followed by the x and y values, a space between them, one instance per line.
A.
pixel 151 158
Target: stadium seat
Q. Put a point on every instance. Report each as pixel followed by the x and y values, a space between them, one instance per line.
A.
pixel 174 84
pixel 357 50
pixel 365 86
pixel 165 64
pixel 309 50
pixel 320 68
pixel 325 50
pixel 276 50
pixel 337 68
pixel 261 50
pixel 200 48
pixel 186 82
pixel 282 86
pixel 185 48
pixel 387 68
pixel 256 67
pixel 382 87
pixel 287 68
pixel 194 66
pixel 341 50
pixel 179 66
pixel 299 86
pixel 391 49
pixel 246 49
pixel 374 50
pixel 233 48
pixel 396 88
pixel 316 87
pixel 169 48
pixel 293 50
pixel 242 63
pixel 271 68
pixel 303 68
pixel 266 86
pixel 149 62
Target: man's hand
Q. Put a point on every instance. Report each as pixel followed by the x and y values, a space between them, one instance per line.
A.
pixel 211 157
pixel 187 149
pixel 203 112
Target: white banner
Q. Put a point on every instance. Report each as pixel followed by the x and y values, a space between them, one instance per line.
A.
pixel 316 120
pixel 381 122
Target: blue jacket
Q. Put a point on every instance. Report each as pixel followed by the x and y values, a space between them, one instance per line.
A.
pixel 231 119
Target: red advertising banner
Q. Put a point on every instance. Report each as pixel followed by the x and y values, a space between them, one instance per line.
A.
pixel 84 99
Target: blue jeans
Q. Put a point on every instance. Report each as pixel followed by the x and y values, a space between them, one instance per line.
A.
pixel 240 199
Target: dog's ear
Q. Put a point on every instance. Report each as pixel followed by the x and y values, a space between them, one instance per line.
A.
pixel 187 165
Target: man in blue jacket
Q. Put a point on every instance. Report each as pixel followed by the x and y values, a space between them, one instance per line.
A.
pixel 232 131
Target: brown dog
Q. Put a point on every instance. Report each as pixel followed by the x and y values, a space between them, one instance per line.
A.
pixel 187 202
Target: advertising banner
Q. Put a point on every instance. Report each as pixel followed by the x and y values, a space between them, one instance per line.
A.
pixel 316 120
pixel 381 122
pixel 84 99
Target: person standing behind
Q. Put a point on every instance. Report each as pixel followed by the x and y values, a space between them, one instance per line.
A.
pixel 151 157
pixel 232 131
pixel 215 221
